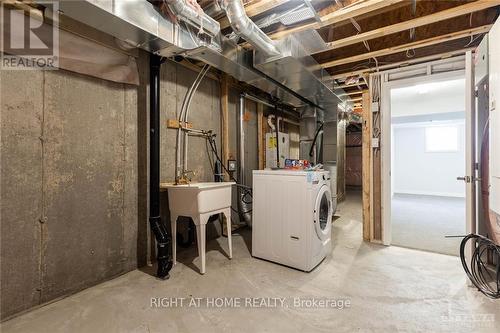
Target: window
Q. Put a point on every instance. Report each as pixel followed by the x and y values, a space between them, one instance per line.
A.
pixel 441 139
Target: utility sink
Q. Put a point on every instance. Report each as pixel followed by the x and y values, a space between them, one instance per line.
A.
pixel 199 201
pixel 198 198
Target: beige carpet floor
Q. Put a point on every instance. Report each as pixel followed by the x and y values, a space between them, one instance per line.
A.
pixel 422 222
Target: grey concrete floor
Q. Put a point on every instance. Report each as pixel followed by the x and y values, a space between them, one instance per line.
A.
pixel 389 289
pixel 423 221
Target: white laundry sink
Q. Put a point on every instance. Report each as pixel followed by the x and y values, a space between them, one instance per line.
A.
pixel 199 201
pixel 198 198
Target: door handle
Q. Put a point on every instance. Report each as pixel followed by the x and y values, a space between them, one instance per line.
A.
pixel 466 179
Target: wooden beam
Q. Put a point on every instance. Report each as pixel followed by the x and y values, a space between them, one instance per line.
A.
pixel 409 46
pixel 26 7
pixel 260 135
pixel 352 93
pixel 437 56
pixel 187 64
pixel 253 9
pixel 225 119
pixel 414 23
pixel 366 136
pixel 357 9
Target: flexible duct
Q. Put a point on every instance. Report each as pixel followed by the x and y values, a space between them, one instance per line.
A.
pixel 244 206
pixel 247 29
pixel 194 16
pixel 270 122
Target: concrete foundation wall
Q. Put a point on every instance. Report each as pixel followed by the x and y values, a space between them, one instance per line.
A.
pixel 69 184
pixel 74 163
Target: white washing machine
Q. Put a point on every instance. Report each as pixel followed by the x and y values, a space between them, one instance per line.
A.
pixel 292 214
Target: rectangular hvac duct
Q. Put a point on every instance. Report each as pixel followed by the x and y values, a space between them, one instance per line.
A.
pixel 140 24
pixel 297 70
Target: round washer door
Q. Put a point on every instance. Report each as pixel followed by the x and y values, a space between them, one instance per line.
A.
pixel 323 213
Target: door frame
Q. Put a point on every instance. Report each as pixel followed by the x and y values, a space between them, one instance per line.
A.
pixel 470 150
pixel 385 140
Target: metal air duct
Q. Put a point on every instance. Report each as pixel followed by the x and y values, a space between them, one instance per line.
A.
pixel 139 23
pixel 247 29
pixel 194 16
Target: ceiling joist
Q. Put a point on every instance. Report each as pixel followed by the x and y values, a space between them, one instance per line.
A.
pixel 414 23
pixel 357 9
pixel 409 46
pixel 353 93
pixel 408 62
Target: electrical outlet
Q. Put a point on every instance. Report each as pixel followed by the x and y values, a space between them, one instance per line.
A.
pixel 231 165
pixel 375 107
pixel 375 142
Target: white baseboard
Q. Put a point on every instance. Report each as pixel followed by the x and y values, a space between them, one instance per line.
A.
pixel 436 194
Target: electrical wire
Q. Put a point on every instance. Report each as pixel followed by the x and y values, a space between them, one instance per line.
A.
pixel 410 53
pixel 472 39
pixel 315 138
pixel 479 272
pixel 247 191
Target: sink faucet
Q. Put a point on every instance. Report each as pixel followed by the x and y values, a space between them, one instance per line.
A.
pixel 184 179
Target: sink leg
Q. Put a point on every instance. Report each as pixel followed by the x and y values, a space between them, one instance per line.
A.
pixel 201 237
pixel 173 227
pixel 227 213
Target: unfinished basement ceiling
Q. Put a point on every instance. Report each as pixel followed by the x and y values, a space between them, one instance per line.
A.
pixel 362 36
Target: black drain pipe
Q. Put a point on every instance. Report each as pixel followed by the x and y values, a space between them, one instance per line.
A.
pixel 277 136
pixel 163 240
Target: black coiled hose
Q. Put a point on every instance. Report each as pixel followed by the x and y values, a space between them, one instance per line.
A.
pixel 479 274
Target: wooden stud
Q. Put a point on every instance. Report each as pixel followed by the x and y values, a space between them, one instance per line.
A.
pixel 376 182
pixel 414 23
pixel 366 164
pixel 409 46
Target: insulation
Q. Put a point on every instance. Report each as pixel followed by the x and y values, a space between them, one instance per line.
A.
pixel 81 55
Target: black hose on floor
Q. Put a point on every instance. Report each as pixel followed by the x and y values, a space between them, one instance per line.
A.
pixel 485 277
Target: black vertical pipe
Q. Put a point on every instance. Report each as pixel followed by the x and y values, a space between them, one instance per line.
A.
pixel 163 240
pixel 277 136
